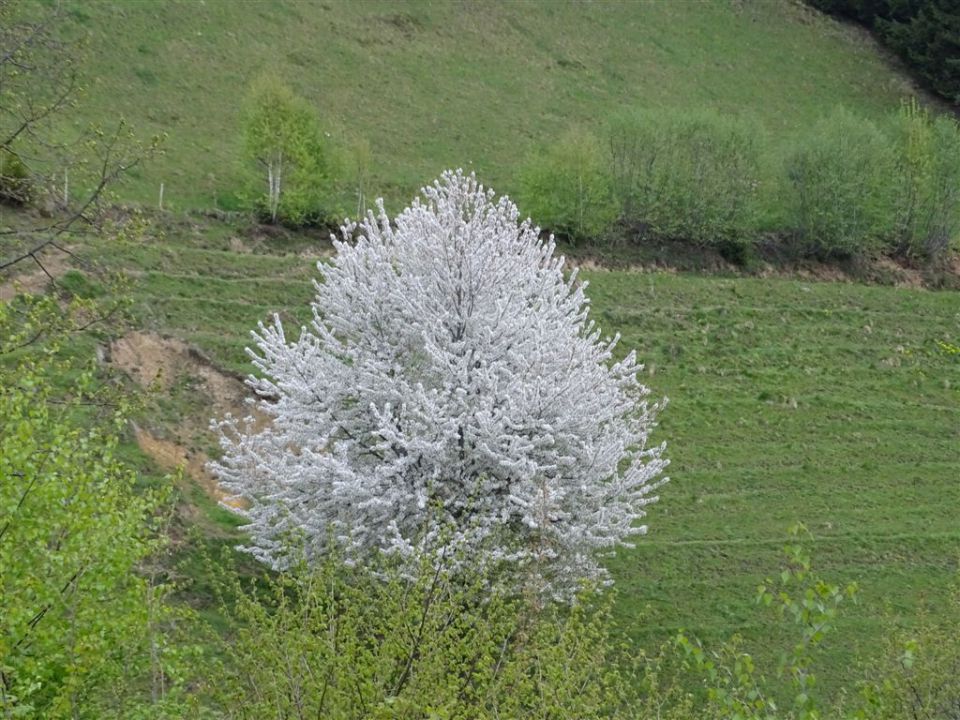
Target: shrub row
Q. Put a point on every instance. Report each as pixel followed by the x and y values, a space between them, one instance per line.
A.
pixel 690 175
pixel 845 187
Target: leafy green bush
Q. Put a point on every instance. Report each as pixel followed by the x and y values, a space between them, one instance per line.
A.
pixel 568 189
pixel 839 195
pixel 928 182
pixel 15 185
pixel 282 136
pixel 736 689
pixel 919 676
pixel 345 642
pixel 76 615
pixel 686 175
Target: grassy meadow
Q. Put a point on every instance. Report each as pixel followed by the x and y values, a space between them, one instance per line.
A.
pixel 829 403
pixel 438 85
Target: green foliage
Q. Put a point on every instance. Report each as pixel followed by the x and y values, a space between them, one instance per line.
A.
pixel 282 136
pixel 490 95
pixel 919 675
pixel 840 199
pixel 15 184
pixel 760 362
pixel 74 529
pixel 690 175
pixel 928 182
pixel 735 687
pixel 567 187
pixel 344 642
pixel 359 167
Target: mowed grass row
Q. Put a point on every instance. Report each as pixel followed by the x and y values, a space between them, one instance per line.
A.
pixel 827 403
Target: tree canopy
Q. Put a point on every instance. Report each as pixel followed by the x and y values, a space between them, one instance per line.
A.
pixel 450 391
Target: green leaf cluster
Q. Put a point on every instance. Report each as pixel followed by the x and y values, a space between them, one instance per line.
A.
pixel 691 175
pixel 568 187
pixel 282 136
pixel 928 175
pixel 735 688
pixel 839 192
pixel 341 642
pixel 74 530
pixel 844 187
pixel 15 183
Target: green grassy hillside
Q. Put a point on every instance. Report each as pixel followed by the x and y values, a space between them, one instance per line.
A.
pixel 835 404
pixel 435 85
pixel 828 403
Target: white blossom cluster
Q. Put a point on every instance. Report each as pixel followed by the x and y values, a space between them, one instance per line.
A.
pixel 449 392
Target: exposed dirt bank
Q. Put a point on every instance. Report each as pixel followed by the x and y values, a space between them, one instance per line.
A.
pixel 160 363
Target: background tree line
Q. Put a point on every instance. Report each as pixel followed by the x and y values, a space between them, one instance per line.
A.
pixel 924 33
pixel 845 188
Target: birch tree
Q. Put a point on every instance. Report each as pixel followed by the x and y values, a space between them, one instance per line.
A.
pixel 283 136
pixel 450 392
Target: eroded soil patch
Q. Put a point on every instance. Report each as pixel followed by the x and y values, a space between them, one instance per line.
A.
pixel 169 365
pixel 173 457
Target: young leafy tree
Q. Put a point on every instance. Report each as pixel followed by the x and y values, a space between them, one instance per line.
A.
pixel 568 187
pixel 450 376
pixel 928 182
pixel 839 196
pixel 283 136
pixel 736 687
pixel 692 175
pixel 74 529
pixel 919 674
pixel 333 642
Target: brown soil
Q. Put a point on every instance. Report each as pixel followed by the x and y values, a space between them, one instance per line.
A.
pixel 238 246
pixel 770 261
pixel 151 360
pixel 954 265
pixel 820 272
pixel 904 276
pixel 157 362
pixel 591 264
pixel 172 457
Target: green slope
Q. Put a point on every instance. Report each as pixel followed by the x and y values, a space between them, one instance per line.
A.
pixel 435 85
pixel 827 403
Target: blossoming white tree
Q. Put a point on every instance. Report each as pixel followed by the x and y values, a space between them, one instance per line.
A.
pixel 450 391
